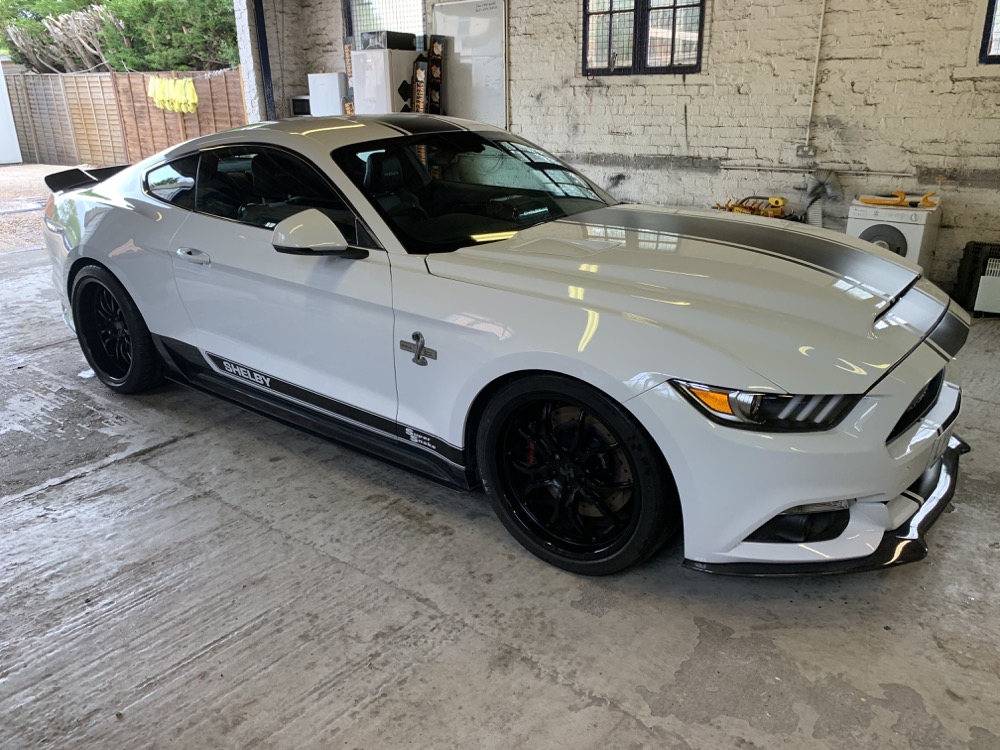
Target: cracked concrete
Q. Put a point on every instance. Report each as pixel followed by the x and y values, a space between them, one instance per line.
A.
pixel 177 573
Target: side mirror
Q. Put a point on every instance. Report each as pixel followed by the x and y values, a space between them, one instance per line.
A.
pixel 312 232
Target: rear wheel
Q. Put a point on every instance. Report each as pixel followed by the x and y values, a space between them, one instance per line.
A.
pixel 112 333
pixel 573 477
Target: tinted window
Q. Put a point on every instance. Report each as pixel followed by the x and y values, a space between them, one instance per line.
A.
pixel 174 182
pixel 261 186
pixel 442 191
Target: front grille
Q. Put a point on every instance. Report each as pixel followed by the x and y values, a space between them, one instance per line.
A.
pixel 918 408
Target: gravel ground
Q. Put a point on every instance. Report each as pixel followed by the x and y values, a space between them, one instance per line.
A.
pixel 22 199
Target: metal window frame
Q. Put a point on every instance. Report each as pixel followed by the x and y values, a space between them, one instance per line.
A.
pixel 640 43
pixel 985 58
pixel 347 13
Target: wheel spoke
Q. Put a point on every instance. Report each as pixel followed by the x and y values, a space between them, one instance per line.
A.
pixel 600 450
pixel 573 508
pixel 545 432
pixel 605 511
pixel 529 469
pixel 106 306
pixel 124 351
pixel 604 490
pixel 578 430
pixel 538 485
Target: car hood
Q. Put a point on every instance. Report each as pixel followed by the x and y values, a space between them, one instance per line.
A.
pixel 807 309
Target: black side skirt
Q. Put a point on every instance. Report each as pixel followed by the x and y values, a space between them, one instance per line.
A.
pixel 899 546
pixel 186 367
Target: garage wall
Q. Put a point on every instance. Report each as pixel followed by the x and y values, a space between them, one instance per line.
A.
pixel 898 92
pixel 900 104
pixel 291 34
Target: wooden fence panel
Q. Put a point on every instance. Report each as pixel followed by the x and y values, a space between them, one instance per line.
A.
pixel 149 129
pixel 23 125
pixel 50 118
pixel 107 118
pixel 97 125
pixel 220 104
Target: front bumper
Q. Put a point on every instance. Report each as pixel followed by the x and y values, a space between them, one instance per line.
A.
pixel 899 546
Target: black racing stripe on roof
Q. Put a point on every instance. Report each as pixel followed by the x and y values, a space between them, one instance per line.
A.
pixel 416 124
pixel 840 258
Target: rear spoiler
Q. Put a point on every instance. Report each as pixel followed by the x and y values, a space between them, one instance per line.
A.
pixel 80 177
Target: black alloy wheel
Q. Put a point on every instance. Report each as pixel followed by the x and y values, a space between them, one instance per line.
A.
pixel 573 477
pixel 112 333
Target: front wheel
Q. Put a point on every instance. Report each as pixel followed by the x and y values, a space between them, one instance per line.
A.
pixel 573 476
pixel 112 333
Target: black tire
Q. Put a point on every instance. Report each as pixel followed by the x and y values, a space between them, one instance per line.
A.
pixel 573 476
pixel 112 333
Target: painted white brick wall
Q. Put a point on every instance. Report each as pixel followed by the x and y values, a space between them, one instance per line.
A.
pixel 898 92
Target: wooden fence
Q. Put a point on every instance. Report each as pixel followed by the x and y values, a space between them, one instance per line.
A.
pixel 107 118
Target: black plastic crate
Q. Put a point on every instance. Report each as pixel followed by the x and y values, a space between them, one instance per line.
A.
pixel 971 269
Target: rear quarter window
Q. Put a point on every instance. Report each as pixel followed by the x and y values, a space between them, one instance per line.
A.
pixel 174 182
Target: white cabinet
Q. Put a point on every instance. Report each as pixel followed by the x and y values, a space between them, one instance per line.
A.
pixel 378 74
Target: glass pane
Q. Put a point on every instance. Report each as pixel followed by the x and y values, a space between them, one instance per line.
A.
pixel 388 15
pixel 174 182
pixel 622 36
pixel 599 6
pixel 688 22
pixel 471 188
pixel 994 46
pixel 597 50
pixel 661 26
pixel 624 4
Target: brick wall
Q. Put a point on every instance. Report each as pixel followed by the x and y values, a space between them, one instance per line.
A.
pixel 900 104
pixel 898 92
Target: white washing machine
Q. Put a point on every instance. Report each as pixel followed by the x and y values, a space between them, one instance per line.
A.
pixel 910 232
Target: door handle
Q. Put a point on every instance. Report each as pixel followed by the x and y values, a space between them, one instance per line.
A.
pixel 193 255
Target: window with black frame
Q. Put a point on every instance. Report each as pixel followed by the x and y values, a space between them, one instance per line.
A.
pixel 630 37
pixel 989 53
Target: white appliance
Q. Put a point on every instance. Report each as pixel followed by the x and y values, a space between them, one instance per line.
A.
pixel 988 296
pixel 910 232
pixel 326 93
pixel 378 75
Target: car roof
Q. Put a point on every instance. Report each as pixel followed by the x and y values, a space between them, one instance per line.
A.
pixel 343 130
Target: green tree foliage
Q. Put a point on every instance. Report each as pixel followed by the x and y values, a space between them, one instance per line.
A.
pixel 172 35
pixel 142 35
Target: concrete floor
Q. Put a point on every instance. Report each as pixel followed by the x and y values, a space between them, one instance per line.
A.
pixel 176 573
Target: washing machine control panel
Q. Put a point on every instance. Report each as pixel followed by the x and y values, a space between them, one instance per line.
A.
pixel 893 214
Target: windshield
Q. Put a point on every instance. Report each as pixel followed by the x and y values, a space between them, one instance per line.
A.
pixel 442 191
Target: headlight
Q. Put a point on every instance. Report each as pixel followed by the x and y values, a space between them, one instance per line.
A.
pixel 765 411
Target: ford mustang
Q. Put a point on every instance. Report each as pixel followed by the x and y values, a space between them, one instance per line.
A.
pixel 450 297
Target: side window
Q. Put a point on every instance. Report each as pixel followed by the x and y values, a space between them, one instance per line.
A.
pixel 260 186
pixel 174 182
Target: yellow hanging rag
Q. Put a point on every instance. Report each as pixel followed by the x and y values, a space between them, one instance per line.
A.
pixel 173 94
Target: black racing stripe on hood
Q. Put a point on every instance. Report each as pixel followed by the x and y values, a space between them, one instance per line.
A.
pixel 951 334
pixel 844 260
pixel 416 124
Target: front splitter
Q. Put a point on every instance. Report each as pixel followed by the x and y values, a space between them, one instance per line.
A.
pixel 902 545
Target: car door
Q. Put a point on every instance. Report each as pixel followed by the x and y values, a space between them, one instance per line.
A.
pixel 316 330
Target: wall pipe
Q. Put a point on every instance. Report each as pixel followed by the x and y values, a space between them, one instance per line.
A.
pixel 810 170
pixel 812 98
pixel 265 59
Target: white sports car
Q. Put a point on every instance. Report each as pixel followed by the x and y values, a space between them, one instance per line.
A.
pixel 449 296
